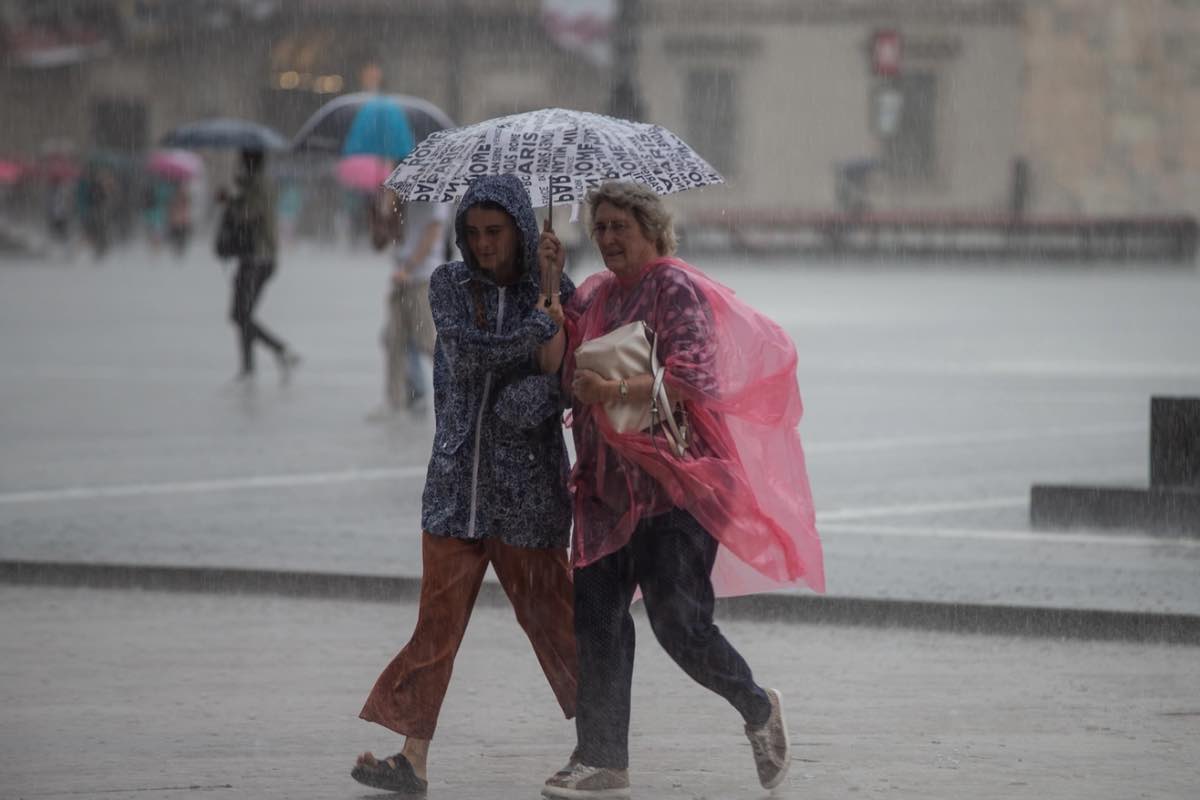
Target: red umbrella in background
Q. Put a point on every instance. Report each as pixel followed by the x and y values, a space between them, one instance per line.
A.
pixel 11 171
pixel 174 165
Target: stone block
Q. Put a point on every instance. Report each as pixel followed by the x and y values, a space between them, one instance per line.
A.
pixel 1155 510
pixel 1175 442
pixel 1171 504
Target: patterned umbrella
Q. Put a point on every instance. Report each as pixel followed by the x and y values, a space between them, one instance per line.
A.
pixel 557 153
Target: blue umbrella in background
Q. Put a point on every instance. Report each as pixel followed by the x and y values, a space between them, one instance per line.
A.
pixel 380 128
pixel 369 123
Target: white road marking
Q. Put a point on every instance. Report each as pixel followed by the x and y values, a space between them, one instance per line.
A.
pixel 351 476
pixel 872 512
pixel 217 378
pixel 1047 537
pixel 1074 369
pixel 984 437
pixel 214 485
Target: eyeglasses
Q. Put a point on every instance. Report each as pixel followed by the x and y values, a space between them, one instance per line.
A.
pixel 618 228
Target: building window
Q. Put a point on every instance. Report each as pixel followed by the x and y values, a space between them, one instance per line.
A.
pixel 910 153
pixel 711 118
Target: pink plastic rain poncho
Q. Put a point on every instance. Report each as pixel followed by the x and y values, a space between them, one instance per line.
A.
pixel 744 478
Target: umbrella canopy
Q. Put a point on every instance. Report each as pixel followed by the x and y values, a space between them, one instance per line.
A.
pixel 225 133
pixel 365 173
pixel 174 165
pixel 13 171
pixel 557 153
pixel 380 129
pixel 328 129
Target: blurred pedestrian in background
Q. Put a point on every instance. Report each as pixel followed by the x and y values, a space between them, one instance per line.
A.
pixel 93 199
pixel 495 491
pixel 179 217
pixel 416 235
pixel 650 516
pixel 249 223
pixel 59 207
pixel 155 196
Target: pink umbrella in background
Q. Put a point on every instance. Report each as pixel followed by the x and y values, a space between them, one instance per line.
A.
pixel 363 172
pixel 174 165
pixel 11 171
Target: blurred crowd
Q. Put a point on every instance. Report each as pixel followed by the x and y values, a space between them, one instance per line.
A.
pixel 73 203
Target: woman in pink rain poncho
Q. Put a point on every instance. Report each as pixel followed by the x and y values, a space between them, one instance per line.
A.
pixel 733 515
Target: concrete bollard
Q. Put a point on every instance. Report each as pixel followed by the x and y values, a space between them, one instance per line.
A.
pixel 1170 505
pixel 1175 442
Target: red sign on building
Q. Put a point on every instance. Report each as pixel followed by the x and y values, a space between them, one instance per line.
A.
pixel 885 53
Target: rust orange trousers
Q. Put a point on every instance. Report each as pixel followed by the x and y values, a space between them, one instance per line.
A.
pixel 408 696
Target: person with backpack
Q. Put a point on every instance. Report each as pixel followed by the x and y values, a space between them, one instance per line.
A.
pixel 248 233
pixel 417 236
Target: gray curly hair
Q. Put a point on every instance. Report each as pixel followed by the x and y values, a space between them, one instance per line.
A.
pixel 647 208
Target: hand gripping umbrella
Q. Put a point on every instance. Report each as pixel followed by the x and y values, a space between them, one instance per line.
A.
pixel 559 154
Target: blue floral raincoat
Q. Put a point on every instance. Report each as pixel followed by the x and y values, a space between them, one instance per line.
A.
pixel 499 463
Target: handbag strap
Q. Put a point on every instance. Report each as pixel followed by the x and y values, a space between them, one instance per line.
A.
pixel 660 403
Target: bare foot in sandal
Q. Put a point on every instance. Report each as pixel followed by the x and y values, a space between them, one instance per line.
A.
pixel 394 773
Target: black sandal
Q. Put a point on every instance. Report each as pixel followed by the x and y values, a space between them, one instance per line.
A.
pixel 382 775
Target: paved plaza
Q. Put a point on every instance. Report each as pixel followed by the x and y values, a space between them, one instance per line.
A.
pixel 129 695
pixel 936 395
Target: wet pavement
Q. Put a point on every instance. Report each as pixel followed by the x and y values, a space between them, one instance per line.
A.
pixel 935 397
pixel 133 695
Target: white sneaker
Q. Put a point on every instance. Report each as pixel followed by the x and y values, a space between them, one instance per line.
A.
pixel 584 782
pixel 772 750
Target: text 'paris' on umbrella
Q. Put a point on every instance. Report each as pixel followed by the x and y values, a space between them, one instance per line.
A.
pixel 558 154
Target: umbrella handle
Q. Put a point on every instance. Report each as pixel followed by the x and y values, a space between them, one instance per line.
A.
pixel 551 291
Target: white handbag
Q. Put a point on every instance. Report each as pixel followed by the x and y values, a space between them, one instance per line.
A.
pixel 628 351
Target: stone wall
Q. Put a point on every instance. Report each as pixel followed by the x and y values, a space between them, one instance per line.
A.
pixel 1112 105
pixel 802 105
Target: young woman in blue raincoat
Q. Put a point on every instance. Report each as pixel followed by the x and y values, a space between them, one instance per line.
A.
pixel 496 488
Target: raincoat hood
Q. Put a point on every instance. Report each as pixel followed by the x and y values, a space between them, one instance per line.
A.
pixel 509 194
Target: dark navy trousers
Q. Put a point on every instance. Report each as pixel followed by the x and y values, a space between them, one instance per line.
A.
pixel 670 557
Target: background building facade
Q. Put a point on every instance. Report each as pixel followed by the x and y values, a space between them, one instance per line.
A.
pixel 1061 106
